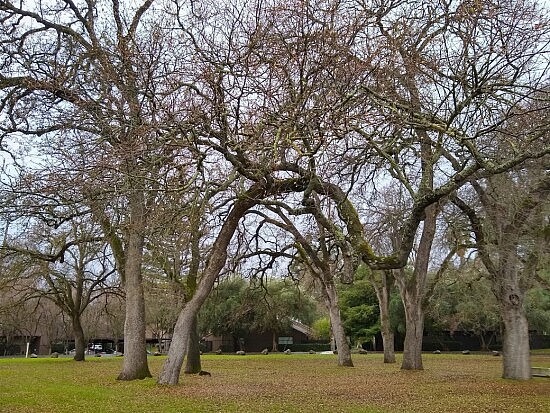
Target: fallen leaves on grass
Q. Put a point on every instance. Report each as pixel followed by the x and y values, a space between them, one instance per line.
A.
pixel 301 383
pixel 276 383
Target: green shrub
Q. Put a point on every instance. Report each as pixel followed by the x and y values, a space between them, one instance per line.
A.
pixel 305 347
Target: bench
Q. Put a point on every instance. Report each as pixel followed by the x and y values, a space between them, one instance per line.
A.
pixel 540 371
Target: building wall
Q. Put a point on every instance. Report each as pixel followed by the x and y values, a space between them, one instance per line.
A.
pixel 253 343
pixel 17 346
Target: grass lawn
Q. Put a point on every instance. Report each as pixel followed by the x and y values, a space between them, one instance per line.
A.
pixel 274 383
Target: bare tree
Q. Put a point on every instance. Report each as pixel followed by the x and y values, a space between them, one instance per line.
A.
pixel 99 86
pixel 315 252
pixel 174 262
pixel 215 262
pixel 509 218
pixel 417 106
pixel 83 273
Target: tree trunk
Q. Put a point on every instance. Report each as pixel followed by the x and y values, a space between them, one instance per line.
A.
pixel 413 290
pixel 135 365
pixel 322 271
pixel 180 339
pixel 515 344
pixel 500 241
pixel 193 364
pixel 79 341
pixel 388 342
pixel 482 342
pixel 382 290
pixel 274 346
pixel 414 322
pixel 342 345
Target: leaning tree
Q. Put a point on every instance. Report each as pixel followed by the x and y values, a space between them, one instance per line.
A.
pixel 352 98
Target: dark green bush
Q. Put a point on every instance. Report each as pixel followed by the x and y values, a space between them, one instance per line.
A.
pixel 305 347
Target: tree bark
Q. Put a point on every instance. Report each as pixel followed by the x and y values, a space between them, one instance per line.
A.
pixel 515 344
pixel 510 213
pixel 382 290
pixel 135 365
pixel 388 342
pixel 412 348
pixel 509 286
pixel 79 341
pixel 342 345
pixel 193 363
pixel 413 291
pixel 274 346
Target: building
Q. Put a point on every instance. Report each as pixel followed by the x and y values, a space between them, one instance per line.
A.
pixel 298 335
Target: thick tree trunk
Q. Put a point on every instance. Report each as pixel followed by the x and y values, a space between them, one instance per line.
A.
pixel 79 341
pixel 178 347
pixel 342 345
pixel 414 322
pixel 134 366
pixel 515 344
pixel 507 285
pixel 382 290
pixel 508 289
pixel 180 340
pixel 193 364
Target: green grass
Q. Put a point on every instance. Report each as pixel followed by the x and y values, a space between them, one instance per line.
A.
pixel 274 383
